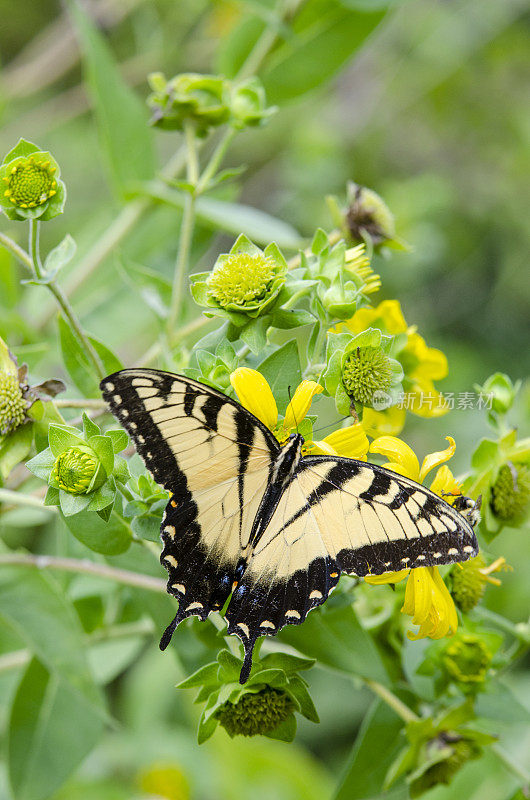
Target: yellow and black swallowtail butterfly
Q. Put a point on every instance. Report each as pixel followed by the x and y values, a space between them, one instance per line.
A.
pixel 261 523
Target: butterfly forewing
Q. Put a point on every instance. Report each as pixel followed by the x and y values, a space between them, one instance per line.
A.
pixel 214 458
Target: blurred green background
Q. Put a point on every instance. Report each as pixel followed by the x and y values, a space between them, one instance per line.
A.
pixel 430 113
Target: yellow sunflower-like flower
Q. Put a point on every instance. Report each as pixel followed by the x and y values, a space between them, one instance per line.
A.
pixel 421 364
pixel 256 396
pixel 427 599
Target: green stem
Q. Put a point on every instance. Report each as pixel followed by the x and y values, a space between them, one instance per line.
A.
pixel 79 403
pixel 86 567
pixel 17 251
pixel 215 161
pixel 499 621
pixel 186 233
pixel 403 711
pixel 66 308
pixel 19 499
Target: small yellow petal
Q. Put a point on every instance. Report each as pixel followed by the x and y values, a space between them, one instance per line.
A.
pixel 435 459
pixel 445 483
pixel 404 456
pixel 450 609
pixel 386 577
pixel 389 422
pixel 350 442
pixel 321 448
pixel 432 363
pixel 408 605
pixel 424 401
pixel 255 395
pixel 423 594
pixel 300 404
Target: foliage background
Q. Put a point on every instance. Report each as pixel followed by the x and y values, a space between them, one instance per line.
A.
pixel 428 112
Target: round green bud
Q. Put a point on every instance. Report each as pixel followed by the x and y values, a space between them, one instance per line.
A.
pixel 257 713
pixel 365 371
pixel 242 280
pixel 467 659
pixel 469 583
pixel 78 471
pixel 511 492
pixel 12 404
pixel 462 751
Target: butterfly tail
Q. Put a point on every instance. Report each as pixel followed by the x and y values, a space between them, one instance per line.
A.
pixel 169 631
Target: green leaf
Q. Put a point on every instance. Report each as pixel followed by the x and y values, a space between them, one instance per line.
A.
pixel 77 363
pixel 14 448
pixel 61 437
pixel 234 218
pixel 72 504
pixel 287 662
pixel 34 606
pixel 282 369
pixel 324 39
pixel 204 676
pixel 207 727
pixel 119 439
pixel 59 256
pixel 376 746
pixel 22 148
pixel 102 446
pixel 285 319
pixel 286 730
pixel 51 730
pixel 254 334
pixel 335 637
pixel 122 117
pixel 110 538
pixel 298 689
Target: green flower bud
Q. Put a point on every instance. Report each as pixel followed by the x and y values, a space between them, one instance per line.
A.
pixel 340 300
pixel 502 391
pixel 246 280
pixel 31 187
pixel 201 99
pixel 12 404
pixel 77 471
pixel 366 371
pixel 255 714
pixel 466 660
pixel 248 104
pixel 368 216
pixel 460 750
pixel 511 492
pixel 469 583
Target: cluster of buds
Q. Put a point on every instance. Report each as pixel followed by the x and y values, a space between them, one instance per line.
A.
pixel 265 705
pixel 206 101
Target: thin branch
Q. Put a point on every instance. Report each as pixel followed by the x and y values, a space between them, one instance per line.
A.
pixel 402 710
pixel 20 499
pixel 84 566
pixel 17 251
pixel 66 402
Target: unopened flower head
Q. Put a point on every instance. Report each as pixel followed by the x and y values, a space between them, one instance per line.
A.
pixel 365 371
pixel 30 184
pixel 242 279
pixel 368 216
pixel 12 404
pixel 469 580
pixel 256 713
pixel 467 659
pixel 75 470
pixel 200 99
pixel 511 492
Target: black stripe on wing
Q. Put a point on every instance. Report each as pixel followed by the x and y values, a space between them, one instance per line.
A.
pixel 454 544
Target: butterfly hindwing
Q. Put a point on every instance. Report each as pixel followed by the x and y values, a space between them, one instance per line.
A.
pixel 340 515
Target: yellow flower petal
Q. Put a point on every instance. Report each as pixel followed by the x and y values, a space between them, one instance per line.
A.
pixel 435 459
pixel 403 455
pixel 423 594
pixel 424 401
pixel 449 610
pixel 350 442
pixel 255 395
pixel 321 448
pixel 432 363
pixel 300 404
pixel 386 577
pixel 387 315
pixel 389 422
pixel 445 483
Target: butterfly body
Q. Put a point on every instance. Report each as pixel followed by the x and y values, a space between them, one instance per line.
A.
pixel 261 524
